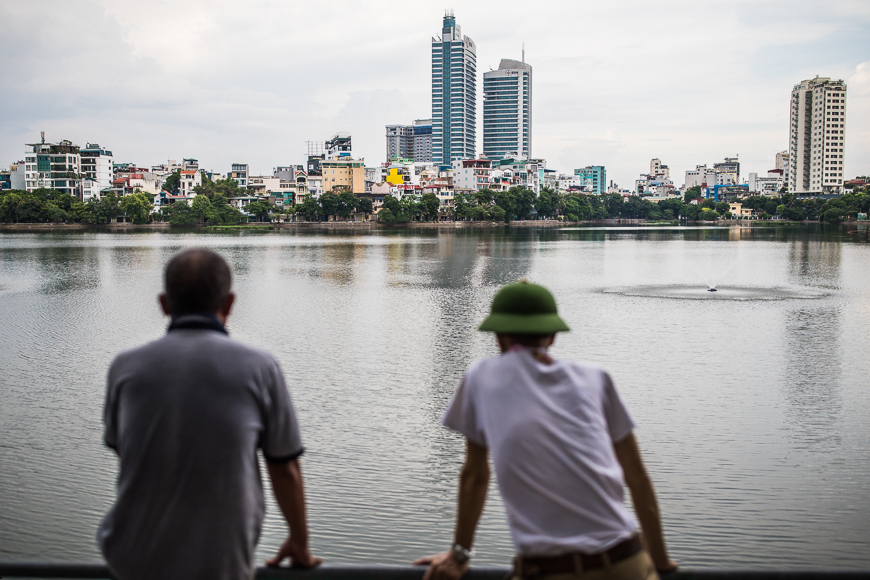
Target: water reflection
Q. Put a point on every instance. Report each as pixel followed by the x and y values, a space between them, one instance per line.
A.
pixel 752 412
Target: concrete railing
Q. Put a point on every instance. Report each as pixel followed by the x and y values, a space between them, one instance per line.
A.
pixel 101 571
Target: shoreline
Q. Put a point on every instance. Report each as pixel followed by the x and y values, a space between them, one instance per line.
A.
pixel 371 225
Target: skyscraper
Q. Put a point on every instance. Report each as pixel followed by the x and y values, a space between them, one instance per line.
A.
pixel 454 91
pixel 507 110
pixel 817 137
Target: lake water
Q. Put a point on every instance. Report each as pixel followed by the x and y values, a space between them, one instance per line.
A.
pixel 752 402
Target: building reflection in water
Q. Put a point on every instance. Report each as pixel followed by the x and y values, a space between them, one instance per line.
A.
pixel 813 372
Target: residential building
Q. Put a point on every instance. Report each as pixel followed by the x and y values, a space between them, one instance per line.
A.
pixel 767 185
pixel 728 170
pixel 339 146
pixel 17 172
pixel 782 163
pixel 423 141
pixel 400 142
pixel 659 171
pixel 473 174
pixel 507 110
pixel 593 178
pixel 817 137
pixel 739 212
pixel 704 176
pixel 343 173
pixel 188 179
pixel 239 172
pixel 98 169
pixel 53 165
pixel 454 94
pixel 5 179
pixel 528 173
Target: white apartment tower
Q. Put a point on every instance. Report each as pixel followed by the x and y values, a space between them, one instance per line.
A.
pixel 817 137
pixel 507 110
pixel 454 94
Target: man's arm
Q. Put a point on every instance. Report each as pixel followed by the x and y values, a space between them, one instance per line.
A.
pixel 644 498
pixel 473 485
pixel 290 493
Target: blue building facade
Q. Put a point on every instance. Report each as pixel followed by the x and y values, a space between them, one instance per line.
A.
pixel 507 111
pixel 454 93
pixel 593 176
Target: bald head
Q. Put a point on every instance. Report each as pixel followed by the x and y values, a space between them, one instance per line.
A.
pixel 196 280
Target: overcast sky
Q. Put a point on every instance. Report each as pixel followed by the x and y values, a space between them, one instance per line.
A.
pixel 616 82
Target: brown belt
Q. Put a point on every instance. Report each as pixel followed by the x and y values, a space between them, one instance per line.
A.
pixel 531 567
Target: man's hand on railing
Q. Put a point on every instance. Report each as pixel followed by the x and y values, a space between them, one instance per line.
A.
pixel 298 554
pixel 442 567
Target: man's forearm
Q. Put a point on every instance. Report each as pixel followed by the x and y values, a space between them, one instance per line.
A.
pixel 645 505
pixel 290 494
pixel 473 485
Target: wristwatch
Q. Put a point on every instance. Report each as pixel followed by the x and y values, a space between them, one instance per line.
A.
pixel 460 554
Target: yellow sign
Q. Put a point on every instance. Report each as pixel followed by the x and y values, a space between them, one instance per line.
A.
pixel 395 177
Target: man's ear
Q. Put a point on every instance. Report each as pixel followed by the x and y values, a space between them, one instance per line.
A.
pixel 164 304
pixel 227 306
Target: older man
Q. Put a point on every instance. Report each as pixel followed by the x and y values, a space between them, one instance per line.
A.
pixel 187 415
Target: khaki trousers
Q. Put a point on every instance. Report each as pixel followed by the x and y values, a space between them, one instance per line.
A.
pixel 637 567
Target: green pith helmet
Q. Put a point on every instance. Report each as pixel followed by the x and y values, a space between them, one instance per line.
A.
pixel 523 308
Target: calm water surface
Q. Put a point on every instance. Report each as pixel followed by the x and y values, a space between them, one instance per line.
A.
pixel 752 402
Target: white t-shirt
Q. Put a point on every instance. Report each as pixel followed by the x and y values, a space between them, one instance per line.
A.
pixel 550 429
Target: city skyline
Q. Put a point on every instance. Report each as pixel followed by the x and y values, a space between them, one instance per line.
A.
pixel 222 88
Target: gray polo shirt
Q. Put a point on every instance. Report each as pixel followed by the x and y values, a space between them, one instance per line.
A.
pixel 186 414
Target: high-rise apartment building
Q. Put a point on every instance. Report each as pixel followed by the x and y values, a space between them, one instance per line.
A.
pixel 410 141
pixel 507 110
pixel 423 141
pixel 400 141
pixel 454 91
pixel 817 137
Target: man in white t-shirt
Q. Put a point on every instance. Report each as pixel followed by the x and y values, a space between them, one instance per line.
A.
pixel 562 447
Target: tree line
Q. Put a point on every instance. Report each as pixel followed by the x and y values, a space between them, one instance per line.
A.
pixel 211 205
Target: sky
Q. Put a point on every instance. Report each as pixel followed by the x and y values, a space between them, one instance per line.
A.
pixel 615 83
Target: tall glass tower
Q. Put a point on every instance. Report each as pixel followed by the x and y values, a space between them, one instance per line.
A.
pixel 454 94
pixel 507 110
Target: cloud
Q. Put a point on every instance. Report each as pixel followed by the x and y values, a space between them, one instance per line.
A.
pixel 615 83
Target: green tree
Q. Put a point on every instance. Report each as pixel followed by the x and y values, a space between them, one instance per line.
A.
pixel 429 206
pixel 201 206
pixel 525 203
pixel 547 204
pixel 173 182
pixel 497 214
pixel 460 206
pixel 507 201
pixel 259 209
pixel 181 214
pixel 386 216
pixel 692 193
pixel 330 203
pixel 137 207
pixel 484 197
pixel 365 205
pixel 723 207
pixel 709 215
pixel 347 204
pixel 309 208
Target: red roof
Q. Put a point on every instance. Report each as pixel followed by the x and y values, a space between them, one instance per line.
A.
pixel 188 172
pixel 120 181
pixel 136 176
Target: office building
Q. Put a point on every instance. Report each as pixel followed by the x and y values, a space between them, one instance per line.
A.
pixel 454 93
pixel 817 137
pixel 507 110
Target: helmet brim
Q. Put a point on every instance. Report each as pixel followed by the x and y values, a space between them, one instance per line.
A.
pixel 505 323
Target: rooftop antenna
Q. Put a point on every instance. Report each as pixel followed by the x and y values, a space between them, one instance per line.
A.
pixel 524 53
pixel 42 134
